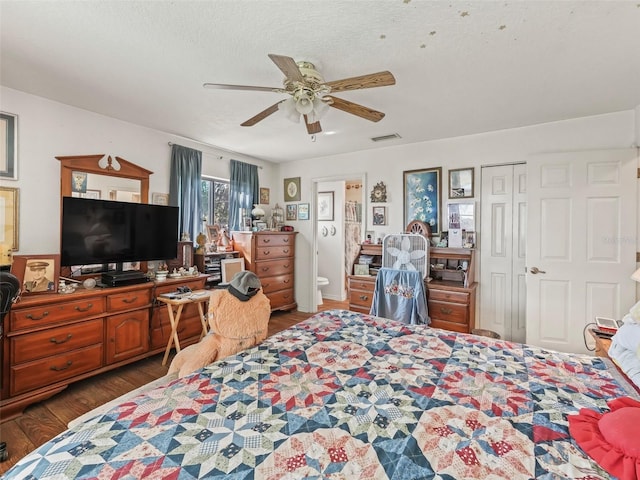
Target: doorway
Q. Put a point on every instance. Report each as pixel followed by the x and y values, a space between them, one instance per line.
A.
pixel 333 233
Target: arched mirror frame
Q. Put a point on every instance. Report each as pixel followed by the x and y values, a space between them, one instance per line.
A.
pixel 94 164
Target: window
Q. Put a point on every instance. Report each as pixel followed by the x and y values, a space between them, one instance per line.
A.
pixel 214 198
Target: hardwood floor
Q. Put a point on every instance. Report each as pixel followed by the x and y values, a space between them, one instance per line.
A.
pixel 44 420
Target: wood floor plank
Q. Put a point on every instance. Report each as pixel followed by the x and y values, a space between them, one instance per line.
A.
pixel 42 421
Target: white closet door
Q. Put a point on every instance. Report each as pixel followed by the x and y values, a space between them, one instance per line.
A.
pixel 502 251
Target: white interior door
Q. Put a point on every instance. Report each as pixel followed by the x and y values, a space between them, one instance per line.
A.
pixel 502 251
pixel 582 210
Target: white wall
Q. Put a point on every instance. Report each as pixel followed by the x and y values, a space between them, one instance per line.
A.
pixel 614 130
pixel 47 129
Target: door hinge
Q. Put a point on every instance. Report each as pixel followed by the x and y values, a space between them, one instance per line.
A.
pixel 637 257
pixel 639 173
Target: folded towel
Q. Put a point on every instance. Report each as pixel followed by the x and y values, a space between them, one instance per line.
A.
pixel 627 360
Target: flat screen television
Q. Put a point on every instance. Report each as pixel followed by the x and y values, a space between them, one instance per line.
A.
pixel 105 231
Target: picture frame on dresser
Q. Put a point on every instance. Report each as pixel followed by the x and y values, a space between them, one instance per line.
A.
pixel 229 267
pixel 37 274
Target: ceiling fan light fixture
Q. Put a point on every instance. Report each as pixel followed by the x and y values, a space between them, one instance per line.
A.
pixel 304 101
pixel 288 107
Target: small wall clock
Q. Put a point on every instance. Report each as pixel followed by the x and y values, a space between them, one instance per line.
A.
pixel 379 193
pixel 292 189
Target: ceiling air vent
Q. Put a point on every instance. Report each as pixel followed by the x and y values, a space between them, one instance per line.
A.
pixel 382 138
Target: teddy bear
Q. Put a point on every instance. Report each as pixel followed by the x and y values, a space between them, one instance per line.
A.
pixel 238 317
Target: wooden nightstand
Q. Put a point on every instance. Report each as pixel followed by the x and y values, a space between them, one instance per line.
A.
pixel 602 344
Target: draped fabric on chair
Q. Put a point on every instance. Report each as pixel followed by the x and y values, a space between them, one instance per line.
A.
pixel 400 295
pixel 184 187
pixel 243 190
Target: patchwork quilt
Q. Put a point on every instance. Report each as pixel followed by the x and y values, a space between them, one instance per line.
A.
pixel 344 395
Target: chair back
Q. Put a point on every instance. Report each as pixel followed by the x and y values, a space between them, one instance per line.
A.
pixel 9 292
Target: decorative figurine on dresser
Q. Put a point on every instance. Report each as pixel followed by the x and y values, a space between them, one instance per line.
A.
pixel 271 256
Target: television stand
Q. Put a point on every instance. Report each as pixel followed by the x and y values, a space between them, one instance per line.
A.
pixel 120 279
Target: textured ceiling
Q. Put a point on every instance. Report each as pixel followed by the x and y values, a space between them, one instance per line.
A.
pixel 461 67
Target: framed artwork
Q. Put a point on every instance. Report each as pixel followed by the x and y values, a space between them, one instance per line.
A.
pixel 461 183
pixel 213 231
pixel 362 270
pixel 260 226
pixel 325 206
pixel 292 189
pixel 79 182
pixel 292 212
pixel 379 215
pixel 37 273
pixel 160 198
pixel 264 196
pixel 8 146
pixel 95 194
pixel 9 215
pixel 461 215
pixel 422 197
pixel 303 211
pixel 229 267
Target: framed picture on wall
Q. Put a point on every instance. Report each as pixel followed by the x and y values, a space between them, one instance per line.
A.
pixel 9 211
pixel 422 197
pixel 379 215
pixel 292 189
pixel 8 146
pixel 292 212
pixel 303 211
pixel 325 206
pixel 264 196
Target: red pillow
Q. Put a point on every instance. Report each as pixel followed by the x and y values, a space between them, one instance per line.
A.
pixel 612 439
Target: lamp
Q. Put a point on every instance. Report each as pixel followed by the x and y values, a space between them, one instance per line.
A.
pixel 636 275
pixel 304 101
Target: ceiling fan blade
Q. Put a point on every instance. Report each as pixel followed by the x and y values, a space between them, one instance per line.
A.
pixel 288 66
pixel 312 128
pixel 262 115
pixel 355 109
pixel 380 79
pixel 224 86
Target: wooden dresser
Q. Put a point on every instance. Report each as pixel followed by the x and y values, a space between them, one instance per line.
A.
pixel 450 299
pixel 52 340
pixel 271 256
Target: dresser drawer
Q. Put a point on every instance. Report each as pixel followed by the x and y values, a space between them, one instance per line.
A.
pixel 54 341
pixel 448 296
pixel 188 327
pixel 361 298
pixel 452 326
pixel 451 312
pixel 278 282
pixel 276 251
pixel 281 298
pixel 50 370
pixel 365 284
pixel 126 301
pixel 55 313
pixel 274 267
pixel 270 240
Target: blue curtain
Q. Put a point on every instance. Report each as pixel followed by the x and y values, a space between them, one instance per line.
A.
pixel 184 187
pixel 243 189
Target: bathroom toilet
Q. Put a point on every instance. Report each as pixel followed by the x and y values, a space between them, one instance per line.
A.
pixel 321 282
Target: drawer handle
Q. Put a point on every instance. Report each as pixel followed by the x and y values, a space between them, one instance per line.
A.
pixel 31 317
pixel 286 281
pixel 59 369
pixel 364 297
pixel 267 252
pixel 265 269
pixel 446 311
pixel 286 266
pixel 266 240
pixel 89 307
pixel 286 250
pixel 286 240
pixel 59 342
pixel 129 300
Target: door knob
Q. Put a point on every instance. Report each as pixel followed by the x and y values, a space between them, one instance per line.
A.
pixel 535 270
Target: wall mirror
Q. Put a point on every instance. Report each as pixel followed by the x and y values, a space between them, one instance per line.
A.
pixel 461 183
pixel 102 177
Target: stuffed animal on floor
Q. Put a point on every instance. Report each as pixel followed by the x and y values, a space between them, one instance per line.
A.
pixel 238 318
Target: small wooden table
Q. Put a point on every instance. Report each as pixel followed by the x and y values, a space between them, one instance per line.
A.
pixel 602 344
pixel 198 297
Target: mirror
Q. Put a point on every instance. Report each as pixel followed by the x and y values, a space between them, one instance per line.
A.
pixel 102 177
pixel 461 183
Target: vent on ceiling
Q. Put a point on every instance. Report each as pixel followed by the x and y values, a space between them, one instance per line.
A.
pixel 382 138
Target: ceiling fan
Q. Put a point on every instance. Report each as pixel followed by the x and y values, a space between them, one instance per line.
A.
pixel 309 93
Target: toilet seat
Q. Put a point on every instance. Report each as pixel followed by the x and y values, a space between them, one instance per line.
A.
pixel 321 282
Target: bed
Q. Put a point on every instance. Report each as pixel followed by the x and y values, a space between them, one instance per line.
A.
pixel 348 396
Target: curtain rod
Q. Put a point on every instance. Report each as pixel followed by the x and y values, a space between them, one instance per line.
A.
pixel 220 157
